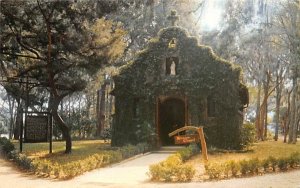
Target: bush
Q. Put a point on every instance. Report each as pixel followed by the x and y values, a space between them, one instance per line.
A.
pixel 213 170
pixel 273 162
pixel 294 159
pixel 233 167
pixel 283 164
pixel 248 135
pixel 254 165
pixel 185 153
pixel 265 164
pixel 245 168
pixel 6 146
pixel 173 168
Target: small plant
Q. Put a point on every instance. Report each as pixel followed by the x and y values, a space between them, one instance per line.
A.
pixel 6 145
pixel 234 167
pixel 265 164
pixel 173 168
pixel 245 168
pixel 213 170
pixel 273 162
pixel 254 165
pixel 294 159
pixel 283 164
pixel 185 153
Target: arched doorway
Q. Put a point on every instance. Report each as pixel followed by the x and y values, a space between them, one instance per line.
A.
pixel 171 116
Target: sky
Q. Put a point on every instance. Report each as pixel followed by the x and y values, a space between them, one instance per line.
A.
pixel 211 15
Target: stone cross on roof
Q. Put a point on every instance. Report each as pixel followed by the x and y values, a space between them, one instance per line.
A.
pixel 173 18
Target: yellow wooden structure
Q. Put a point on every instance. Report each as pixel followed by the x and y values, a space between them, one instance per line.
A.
pixel 182 139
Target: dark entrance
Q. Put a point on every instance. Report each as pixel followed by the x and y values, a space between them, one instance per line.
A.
pixel 171 117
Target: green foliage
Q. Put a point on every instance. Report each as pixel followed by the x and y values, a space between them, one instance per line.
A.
pixel 265 164
pixel 283 164
pixel 244 167
pixel 213 170
pixel 185 153
pixel 9 151
pixel 145 133
pixel 294 159
pixel 6 146
pixel 173 168
pixel 273 162
pixel 200 74
pixel 248 135
pixel 130 150
pixel 252 166
pixel 234 167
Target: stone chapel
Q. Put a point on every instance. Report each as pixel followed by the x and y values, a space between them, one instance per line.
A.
pixel 175 82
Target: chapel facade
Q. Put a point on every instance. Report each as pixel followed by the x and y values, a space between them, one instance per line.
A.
pixel 176 82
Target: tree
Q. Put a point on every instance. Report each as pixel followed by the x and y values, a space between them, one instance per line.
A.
pixel 289 24
pixel 61 45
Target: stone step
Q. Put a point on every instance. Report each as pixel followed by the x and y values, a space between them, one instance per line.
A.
pixel 169 149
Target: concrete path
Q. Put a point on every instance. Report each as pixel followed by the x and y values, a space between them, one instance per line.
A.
pixel 132 173
pixel 128 172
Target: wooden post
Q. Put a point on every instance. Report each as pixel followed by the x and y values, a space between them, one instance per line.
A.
pixel 203 144
pixel 50 131
pixel 21 132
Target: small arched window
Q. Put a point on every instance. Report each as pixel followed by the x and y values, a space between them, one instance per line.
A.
pixel 173 43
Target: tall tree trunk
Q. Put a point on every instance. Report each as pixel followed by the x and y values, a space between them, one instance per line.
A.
pixel 101 113
pixel 293 117
pixel 287 116
pixel 54 104
pixel 257 122
pixel 295 127
pixel 18 120
pixel 278 98
pixel 265 103
pixel 11 106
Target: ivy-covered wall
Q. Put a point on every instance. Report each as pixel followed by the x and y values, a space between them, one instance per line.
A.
pixel 199 75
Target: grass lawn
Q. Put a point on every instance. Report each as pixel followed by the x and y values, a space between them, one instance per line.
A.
pixel 80 150
pixel 261 150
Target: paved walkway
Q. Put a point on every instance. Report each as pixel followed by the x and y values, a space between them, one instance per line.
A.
pixel 132 173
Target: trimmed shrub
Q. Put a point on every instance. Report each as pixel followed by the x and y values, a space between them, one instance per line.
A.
pixel 282 164
pixel 173 168
pixel 245 168
pixel 294 159
pixel 234 167
pixel 273 162
pixel 254 165
pixel 265 164
pixel 213 170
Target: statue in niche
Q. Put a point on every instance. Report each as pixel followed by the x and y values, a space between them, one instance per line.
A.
pixel 173 68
